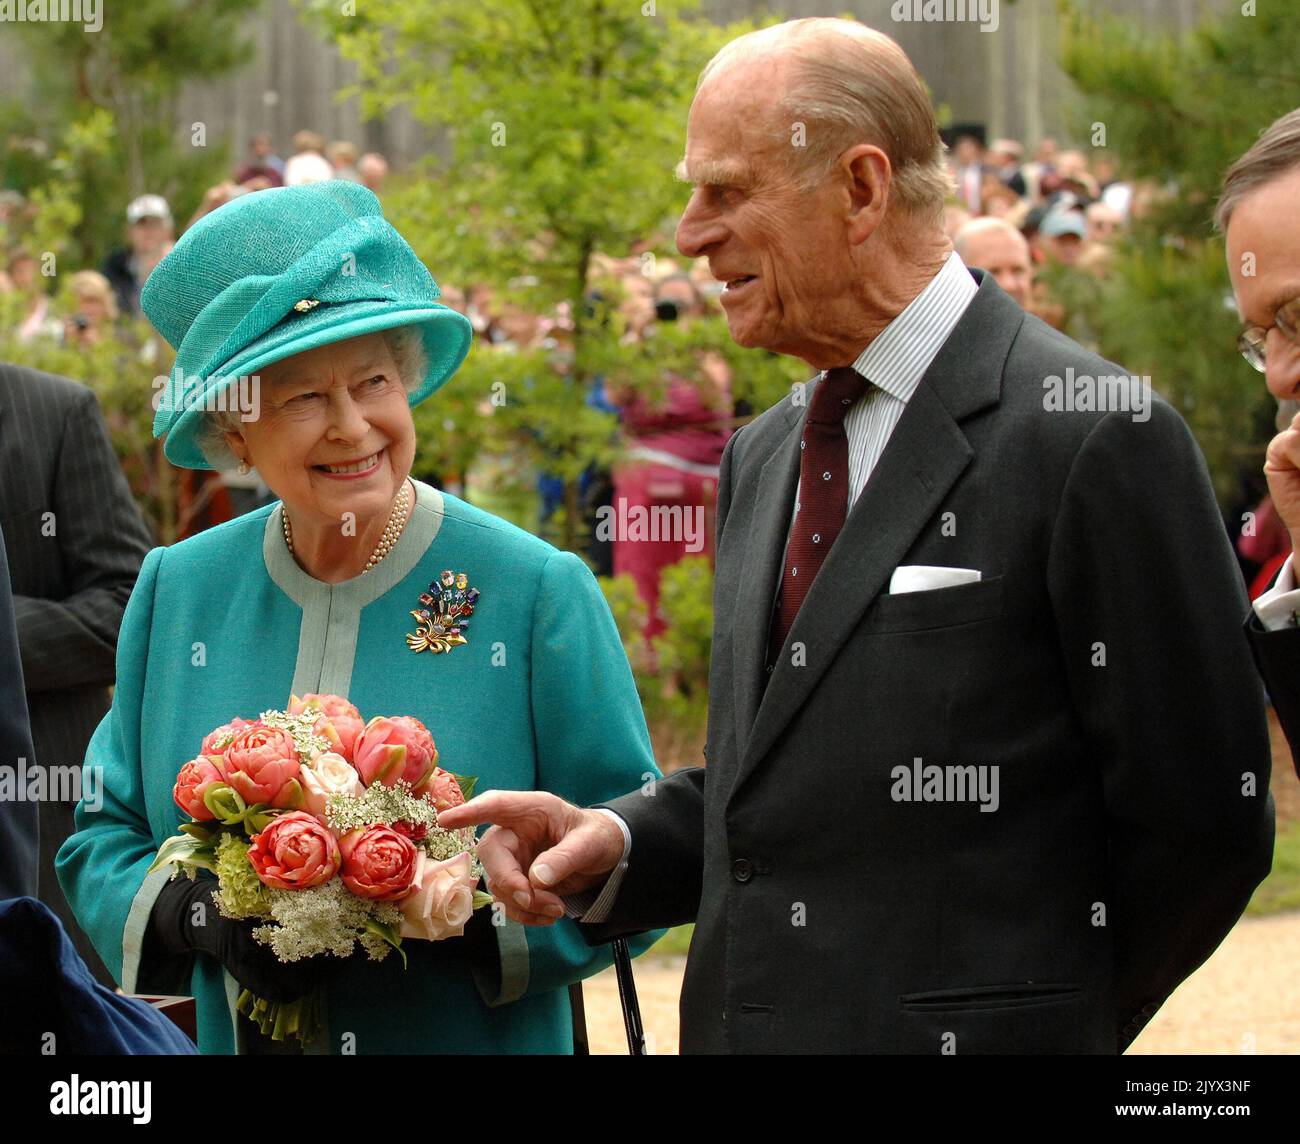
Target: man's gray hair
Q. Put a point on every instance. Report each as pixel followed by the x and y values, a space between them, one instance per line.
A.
pixel 406 345
pixel 1276 152
pixel 852 84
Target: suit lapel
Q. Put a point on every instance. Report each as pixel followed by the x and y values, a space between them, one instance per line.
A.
pixel 926 454
pixel 761 564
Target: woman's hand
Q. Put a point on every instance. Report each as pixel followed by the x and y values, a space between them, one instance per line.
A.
pixel 540 849
pixel 185 919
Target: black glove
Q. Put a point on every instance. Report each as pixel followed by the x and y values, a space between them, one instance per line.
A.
pixel 230 941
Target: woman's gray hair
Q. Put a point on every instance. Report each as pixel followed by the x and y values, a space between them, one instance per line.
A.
pixel 1276 152
pixel 851 84
pixel 405 344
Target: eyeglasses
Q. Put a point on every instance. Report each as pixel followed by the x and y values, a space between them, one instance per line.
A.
pixel 1253 340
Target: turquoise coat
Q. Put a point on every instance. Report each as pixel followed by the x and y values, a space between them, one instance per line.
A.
pixel 541 697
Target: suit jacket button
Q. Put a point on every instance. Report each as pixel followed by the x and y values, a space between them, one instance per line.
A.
pixel 742 870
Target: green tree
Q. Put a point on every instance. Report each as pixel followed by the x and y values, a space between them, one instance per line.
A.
pixel 560 126
pixel 133 68
pixel 1177 110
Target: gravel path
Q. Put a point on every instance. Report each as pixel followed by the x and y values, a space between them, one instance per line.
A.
pixel 1245 998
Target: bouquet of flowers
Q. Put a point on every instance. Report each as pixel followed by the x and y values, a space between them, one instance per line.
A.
pixel 324 828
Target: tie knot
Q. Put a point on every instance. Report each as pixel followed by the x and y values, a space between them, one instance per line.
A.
pixel 835 393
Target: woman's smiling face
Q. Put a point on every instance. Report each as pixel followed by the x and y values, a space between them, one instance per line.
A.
pixel 334 434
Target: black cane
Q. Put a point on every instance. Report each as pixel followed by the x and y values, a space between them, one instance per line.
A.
pixel 580 1046
pixel 627 998
pixel 627 995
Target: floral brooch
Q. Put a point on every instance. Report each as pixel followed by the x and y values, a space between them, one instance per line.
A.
pixel 443 614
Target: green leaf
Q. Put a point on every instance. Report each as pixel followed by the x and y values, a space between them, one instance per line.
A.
pixel 482 899
pixel 467 783
pixel 184 850
pixel 391 934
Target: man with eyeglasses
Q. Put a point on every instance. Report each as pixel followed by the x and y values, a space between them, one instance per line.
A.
pixel 1257 214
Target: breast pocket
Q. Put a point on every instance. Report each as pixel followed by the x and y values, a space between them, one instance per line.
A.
pixel 937 608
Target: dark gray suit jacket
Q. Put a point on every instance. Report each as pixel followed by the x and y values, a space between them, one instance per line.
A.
pixel 1099 665
pixel 75 541
pixel 18 818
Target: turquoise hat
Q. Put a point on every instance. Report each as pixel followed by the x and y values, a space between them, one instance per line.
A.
pixel 277 272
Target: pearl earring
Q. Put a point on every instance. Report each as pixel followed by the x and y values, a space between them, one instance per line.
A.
pixel 243 468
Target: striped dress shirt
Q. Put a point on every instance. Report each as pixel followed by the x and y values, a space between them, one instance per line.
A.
pixel 896 361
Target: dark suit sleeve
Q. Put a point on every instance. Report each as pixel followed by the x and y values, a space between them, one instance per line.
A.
pixel 18 816
pixel 1277 655
pixel 665 869
pixel 102 541
pixel 1148 602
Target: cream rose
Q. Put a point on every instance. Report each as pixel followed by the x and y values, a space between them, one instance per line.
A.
pixel 443 899
pixel 328 774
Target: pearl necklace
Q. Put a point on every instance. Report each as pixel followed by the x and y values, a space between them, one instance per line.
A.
pixel 392 530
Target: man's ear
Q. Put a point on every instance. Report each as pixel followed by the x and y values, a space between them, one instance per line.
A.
pixel 868 173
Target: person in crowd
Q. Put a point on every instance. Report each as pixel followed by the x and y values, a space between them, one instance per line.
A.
pixel 996 246
pixel 372 169
pixel 95 311
pixel 1103 222
pixel 1063 235
pixel 968 172
pixel 328 609
pixel 150 233
pixel 37 318
pixel 263 167
pixel 673 441
pixel 75 542
pixel 922 566
pixel 342 156
pixel 307 164
pixel 1004 158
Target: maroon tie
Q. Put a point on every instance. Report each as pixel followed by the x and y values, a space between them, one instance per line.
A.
pixel 823 495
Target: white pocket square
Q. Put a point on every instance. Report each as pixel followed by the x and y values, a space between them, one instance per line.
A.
pixel 927 577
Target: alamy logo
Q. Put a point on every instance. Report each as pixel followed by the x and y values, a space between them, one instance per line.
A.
pixel 36 783
pixel 77 1097
pixel 982 12
pixel 1106 393
pixel 675 523
pixel 84 12
pixel 237 394
pixel 921 783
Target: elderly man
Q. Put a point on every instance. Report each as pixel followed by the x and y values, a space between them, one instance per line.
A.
pixel 967 790
pixel 995 245
pixel 1257 212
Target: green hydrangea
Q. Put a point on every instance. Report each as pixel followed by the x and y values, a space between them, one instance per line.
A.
pixel 242 894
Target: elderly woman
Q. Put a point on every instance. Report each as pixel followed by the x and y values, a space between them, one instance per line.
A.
pixel 309 291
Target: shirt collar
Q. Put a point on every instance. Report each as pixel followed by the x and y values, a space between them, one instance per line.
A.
pixel 901 353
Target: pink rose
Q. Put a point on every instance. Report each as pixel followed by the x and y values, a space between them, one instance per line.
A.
pixel 392 749
pixel 378 863
pixel 341 732
pixel 327 774
pixel 262 767
pixel 326 704
pixel 294 852
pixel 443 899
pixel 223 734
pixel 445 790
pixel 192 783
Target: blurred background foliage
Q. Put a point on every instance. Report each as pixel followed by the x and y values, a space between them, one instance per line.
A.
pixel 1176 111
